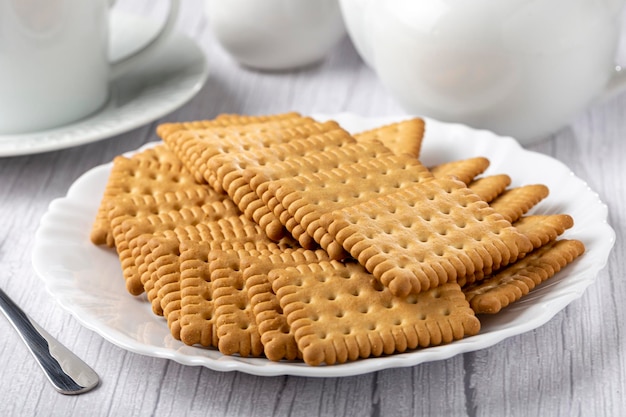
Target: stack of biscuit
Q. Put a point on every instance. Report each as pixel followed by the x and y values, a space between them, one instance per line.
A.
pixel 288 238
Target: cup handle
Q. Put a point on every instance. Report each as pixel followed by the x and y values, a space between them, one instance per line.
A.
pixel 127 63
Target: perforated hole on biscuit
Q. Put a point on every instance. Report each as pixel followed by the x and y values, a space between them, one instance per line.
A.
pixel 411 299
pixel 404 244
pixel 355 292
pixel 386 249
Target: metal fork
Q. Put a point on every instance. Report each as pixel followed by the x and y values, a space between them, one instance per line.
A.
pixel 67 373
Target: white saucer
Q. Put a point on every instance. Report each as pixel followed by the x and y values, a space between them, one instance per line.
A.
pixel 168 80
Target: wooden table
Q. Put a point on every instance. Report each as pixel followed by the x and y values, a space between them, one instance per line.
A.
pixel 573 365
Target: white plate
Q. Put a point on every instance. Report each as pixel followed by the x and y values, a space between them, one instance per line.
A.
pixel 86 280
pixel 168 80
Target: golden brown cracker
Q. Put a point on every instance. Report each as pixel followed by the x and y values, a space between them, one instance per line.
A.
pixel 403 137
pixel 234 320
pixel 515 202
pixel 149 172
pixel 261 177
pixel 490 187
pixel 163 260
pixel 464 170
pixel 425 235
pixel 339 312
pixel 159 260
pixel 308 197
pixel 539 229
pixel 219 232
pixel 223 120
pixel 511 284
pixel 278 341
pixel 195 148
pixel 131 224
pixel 197 323
pixel 229 171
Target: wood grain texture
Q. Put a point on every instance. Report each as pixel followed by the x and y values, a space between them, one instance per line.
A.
pixel 575 365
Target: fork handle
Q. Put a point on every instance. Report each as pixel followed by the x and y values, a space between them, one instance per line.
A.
pixel 67 373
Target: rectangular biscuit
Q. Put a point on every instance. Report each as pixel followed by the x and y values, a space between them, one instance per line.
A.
pixel 338 312
pixel 219 230
pixel 515 202
pixel 229 168
pixel 224 120
pixel 464 170
pixel 425 235
pixel 300 189
pixel 261 177
pixel 403 137
pixel 149 173
pixel 490 187
pixel 514 282
pixel 137 215
pixel 277 339
pixel 195 148
pixel 215 280
pixel 157 254
pixel 539 229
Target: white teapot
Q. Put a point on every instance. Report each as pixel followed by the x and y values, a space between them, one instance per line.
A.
pixel 517 67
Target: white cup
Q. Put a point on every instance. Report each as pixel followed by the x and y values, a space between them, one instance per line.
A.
pixel 517 67
pixel 54 65
pixel 276 34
